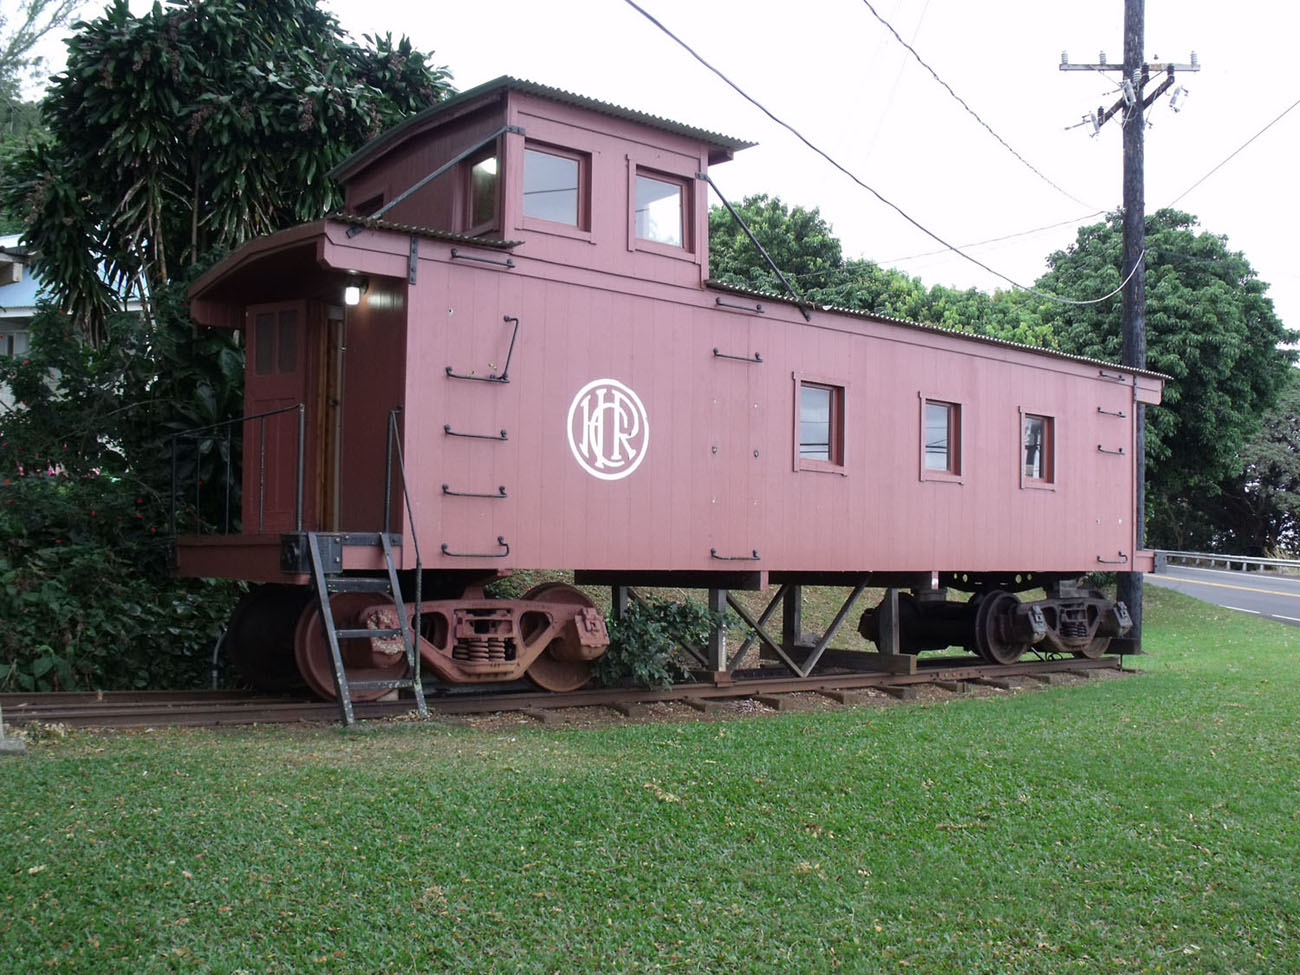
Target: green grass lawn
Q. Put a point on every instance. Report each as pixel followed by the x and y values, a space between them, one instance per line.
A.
pixel 1150 824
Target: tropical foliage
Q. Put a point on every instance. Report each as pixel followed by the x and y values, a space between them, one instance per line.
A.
pixel 84 505
pixel 1210 327
pixel 802 244
pixel 172 136
pixel 193 128
pixel 645 642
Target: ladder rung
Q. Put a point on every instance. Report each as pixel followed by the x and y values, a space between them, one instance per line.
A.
pixel 380 685
pixel 368 634
pixel 357 584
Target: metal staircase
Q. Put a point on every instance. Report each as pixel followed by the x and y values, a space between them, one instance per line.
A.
pixel 325 549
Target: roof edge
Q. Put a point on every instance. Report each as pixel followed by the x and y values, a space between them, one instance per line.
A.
pixel 506 83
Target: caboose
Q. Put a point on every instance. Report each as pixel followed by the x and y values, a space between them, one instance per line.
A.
pixel 507 354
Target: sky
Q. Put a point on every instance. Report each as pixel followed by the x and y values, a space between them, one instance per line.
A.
pixel 831 70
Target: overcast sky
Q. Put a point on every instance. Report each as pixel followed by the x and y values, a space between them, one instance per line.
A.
pixel 829 68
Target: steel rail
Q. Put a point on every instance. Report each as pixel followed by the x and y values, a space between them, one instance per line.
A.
pixel 223 708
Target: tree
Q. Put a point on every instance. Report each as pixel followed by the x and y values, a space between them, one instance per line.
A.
pixel 799 242
pixel 18 38
pixel 802 244
pixel 194 128
pixel 20 121
pixel 1257 509
pixel 1210 327
pixel 172 136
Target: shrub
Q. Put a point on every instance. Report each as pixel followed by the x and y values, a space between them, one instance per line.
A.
pixel 645 644
pixel 86 593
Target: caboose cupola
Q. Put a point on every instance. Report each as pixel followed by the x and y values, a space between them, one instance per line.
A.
pixel 515 161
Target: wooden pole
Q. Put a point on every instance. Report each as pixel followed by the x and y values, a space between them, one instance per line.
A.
pixel 1134 348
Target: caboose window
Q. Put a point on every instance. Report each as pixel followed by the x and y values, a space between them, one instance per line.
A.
pixel 941 437
pixel 820 426
pixel 264 344
pixel 1037 448
pixel 553 187
pixel 815 423
pixel 659 210
pixel 483 193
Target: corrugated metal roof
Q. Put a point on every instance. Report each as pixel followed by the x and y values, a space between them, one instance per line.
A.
pixel 370 223
pixel 921 326
pixel 507 83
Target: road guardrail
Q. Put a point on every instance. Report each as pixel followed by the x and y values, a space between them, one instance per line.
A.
pixel 1240 563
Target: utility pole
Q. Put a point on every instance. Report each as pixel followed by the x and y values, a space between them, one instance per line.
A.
pixel 1133 101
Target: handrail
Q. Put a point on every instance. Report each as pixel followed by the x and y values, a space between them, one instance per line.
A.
pixel 1164 556
pixel 395 449
pixel 203 434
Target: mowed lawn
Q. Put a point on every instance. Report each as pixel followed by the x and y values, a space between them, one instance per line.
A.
pixel 1150 824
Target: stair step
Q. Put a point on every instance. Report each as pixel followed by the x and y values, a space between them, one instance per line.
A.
pixel 381 685
pixel 368 634
pixel 357 584
pixel 358 539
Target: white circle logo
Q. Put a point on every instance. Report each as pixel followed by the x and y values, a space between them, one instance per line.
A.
pixel 608 429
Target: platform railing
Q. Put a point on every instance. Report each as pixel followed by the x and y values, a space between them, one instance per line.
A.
pixel 223 433
pixel 394 452
pixel 1241 563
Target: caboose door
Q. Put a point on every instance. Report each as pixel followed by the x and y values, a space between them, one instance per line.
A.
pixel 276 382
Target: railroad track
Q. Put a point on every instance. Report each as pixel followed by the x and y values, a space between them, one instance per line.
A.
pixel 141 709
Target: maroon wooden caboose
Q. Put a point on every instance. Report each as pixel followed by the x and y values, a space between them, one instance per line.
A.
pixel 520 282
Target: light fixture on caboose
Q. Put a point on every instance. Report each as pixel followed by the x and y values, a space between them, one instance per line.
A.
pixel 354 290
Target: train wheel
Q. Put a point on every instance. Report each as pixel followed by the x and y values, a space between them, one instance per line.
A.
pixel 259 636
pixel 548 671
pixel 993 637
pixel 1095 649
pixel 352 610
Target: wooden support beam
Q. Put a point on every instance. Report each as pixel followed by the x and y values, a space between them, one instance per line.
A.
pixel 717 651
pixel 703 705
pixel 630 709
pixel 904 692
pixel 545 716
pixel 888 625
pixel 849 699
pixel 618 601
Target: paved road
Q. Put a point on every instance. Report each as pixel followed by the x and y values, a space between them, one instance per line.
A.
pixel 1274 597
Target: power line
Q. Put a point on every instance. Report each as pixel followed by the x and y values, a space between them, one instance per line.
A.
pixel 998 240
pixel 1233 153
pixel 974 114
pixel 889 203
pixel 893 90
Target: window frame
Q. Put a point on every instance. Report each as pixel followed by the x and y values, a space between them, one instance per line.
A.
pixel 466 183
pixel 370 205
pixel 581 229
pixel 683 251
pixel 1048 481
pixel 838 445
pixel 955 472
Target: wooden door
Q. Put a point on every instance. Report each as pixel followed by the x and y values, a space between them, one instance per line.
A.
pixel 276 383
